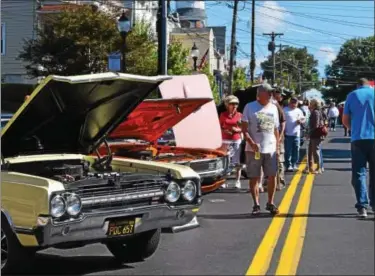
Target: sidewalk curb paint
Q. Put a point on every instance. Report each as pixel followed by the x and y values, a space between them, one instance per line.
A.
pixel 262 258
pixel 291 253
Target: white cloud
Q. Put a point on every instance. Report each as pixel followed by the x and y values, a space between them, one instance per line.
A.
pixel 243 62
pixel 298 31
pixel 325 55
pixel 272 22
pixel 246 63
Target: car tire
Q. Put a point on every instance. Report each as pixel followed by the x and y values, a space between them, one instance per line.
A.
pixel 14 257
pixel 141 247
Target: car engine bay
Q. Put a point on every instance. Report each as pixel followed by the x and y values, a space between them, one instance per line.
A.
pixel 76 174
pixel 161 153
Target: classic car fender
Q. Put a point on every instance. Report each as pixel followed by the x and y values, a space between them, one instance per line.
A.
pixel 23 199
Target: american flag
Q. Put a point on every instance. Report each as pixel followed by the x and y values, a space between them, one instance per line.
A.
pixel 203 60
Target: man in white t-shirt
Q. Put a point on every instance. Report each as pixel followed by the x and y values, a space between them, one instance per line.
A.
pixel 260 126
pixel 293 119
pixel 333 114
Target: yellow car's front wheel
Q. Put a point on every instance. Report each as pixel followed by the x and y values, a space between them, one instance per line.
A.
pixel 14 257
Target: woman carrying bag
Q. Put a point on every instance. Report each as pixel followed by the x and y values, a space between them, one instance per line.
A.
pixel 317 132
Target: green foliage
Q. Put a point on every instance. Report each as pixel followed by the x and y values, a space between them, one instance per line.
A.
pixel 286 71
pixel 78 42
pixel 74 42
pixel 356 59
pixel 141 50
pixel 178 59
pixel 239 79
pixel 214 87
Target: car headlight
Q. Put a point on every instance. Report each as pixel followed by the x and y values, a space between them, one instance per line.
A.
pixel 189 191
pixel 58 206
pixel 220 164
pixel 173 192
pixel 73 204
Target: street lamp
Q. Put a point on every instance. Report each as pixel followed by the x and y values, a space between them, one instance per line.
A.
pixel 194 54
pixel 123 25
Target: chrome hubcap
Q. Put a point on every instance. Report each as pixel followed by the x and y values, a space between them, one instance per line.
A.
pixel 4 249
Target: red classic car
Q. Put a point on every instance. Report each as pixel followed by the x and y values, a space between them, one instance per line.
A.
pixel 137 137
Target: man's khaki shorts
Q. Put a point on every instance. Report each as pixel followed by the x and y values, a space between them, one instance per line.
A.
pixel 267 163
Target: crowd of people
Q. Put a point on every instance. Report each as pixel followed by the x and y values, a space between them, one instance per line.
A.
pixel 274 132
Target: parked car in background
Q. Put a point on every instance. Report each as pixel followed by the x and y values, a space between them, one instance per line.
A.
pixel 54 193
pixel 5 118
pixel 138 137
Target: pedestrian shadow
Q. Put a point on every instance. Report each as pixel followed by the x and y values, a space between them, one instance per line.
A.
pixel 267 215
pixel 348 161
pixel 339 140
pixel 50 264
pixel 336 154
pixel 338 169
pixel 231 191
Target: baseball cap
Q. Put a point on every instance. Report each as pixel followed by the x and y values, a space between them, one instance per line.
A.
pixel 294 99
pixel 232 100
pixel 266 87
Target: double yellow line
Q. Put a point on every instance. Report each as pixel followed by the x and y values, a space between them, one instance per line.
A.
pixel 292 249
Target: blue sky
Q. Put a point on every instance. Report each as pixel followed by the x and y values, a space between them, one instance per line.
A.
pixel 322 26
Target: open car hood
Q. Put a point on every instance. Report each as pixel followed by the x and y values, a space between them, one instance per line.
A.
pixel 74 114
pixel 152 118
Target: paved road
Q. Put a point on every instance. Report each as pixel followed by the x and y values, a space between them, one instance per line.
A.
pixel 316 233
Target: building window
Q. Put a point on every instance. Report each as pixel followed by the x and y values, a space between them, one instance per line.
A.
pixel 2 38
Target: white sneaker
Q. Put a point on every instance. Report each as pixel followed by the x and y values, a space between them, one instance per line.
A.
pixel 238 184
pixel 225 185
pixel 362 213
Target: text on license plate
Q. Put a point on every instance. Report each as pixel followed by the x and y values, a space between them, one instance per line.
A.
pixel 121 227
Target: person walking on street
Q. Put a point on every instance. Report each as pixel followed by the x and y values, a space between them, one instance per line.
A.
pixel 305 109
pixel 333 114
pixel 360 119
pixel 317 131
pixel 341 112
pixel 294 118
pixel 230 122
pixel 280 178
pixel 260 126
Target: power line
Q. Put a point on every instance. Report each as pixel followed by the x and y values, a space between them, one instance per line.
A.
pixel 342 22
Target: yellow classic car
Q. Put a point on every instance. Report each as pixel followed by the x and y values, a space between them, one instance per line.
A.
pixel 55 193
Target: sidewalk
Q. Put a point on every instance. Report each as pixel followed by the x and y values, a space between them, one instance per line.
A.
pixel 336 241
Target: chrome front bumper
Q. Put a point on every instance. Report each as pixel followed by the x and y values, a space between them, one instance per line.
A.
pixel 92 227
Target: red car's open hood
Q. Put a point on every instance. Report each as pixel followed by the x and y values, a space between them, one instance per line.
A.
pixel 152 118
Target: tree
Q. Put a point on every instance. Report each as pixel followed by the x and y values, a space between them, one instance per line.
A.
pixel 292 58
pixel 79 40
pixel 75 42
pixel 239 79
pixel 178 59
pixel 214 87
pixel 356 59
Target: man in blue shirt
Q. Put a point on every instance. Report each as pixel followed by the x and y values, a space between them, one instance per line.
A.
pixel 359 118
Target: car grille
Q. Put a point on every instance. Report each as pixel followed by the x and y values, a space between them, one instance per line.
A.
pixel 127 192
pixel 202 166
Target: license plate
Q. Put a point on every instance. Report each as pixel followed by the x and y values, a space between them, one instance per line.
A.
pixel 121 227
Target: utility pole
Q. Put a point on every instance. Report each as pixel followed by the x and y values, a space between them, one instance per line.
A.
pixel 281 63
pixel 162 38
pixel 252 61
pixel 233 45
pixel 271 48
